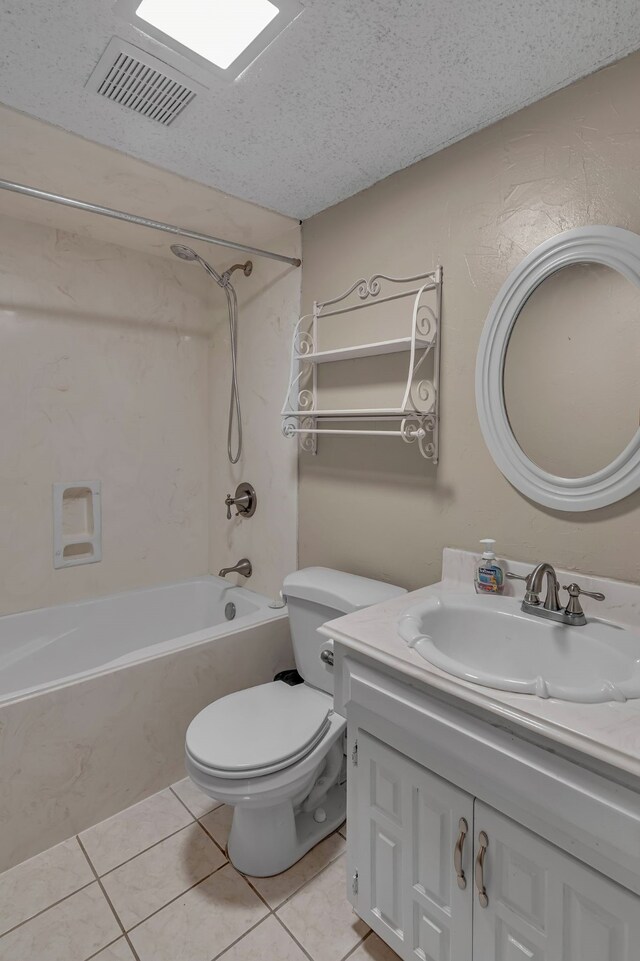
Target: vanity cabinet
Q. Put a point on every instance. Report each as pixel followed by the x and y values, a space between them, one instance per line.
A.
pixel 408 823
pixel 545 905
pixel 442 876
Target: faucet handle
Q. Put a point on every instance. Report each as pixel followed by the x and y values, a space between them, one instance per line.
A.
pixel 530 598
pixel 574 606
pixel 244 500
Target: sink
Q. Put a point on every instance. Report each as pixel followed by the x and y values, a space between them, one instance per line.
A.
pixel 490 641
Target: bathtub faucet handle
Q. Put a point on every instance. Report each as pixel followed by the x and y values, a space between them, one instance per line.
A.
pixel 245 501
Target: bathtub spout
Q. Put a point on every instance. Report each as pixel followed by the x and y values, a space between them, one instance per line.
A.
pixel 242 567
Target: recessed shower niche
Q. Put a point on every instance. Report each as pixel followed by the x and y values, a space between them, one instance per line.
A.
pixel 77 523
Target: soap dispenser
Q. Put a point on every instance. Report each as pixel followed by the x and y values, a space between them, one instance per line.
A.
pixel 490 573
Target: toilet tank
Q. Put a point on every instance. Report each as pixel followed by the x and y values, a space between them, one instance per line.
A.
pixel 318 594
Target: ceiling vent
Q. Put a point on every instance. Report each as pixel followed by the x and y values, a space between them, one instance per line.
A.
pixel 135 79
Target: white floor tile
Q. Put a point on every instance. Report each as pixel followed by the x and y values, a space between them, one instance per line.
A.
pixel 121 837
pixel 38 883
pixel 144 885
pixel 268 942
pixel 70 931
pixel 373 949
pixel 202 923
pixel 277 889
pixel 118 951
pixel 321 918
pixel 195 799
pixel 218 824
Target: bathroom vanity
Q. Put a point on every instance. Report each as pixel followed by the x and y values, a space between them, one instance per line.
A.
pixel 483 823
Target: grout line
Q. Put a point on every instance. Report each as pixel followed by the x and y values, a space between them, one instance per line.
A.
pixel 243 876
pixel 144 851
pixel 104 948
pixel 48 908
pixel 108 900
pixel 360 942
pixel 217 843
pixel 223 850
pixel 233 943
pixel 256 892
pixel 184 805
pixel 293 893
pixel 177 897
pixel 125 933
pixel 293 937
pixel 134 856
pixel 309 880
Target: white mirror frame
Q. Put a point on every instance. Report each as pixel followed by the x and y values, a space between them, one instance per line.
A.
pixel 613 247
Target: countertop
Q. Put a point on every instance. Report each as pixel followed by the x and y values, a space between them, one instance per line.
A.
pixel 608 732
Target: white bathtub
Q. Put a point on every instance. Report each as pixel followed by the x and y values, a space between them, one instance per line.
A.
pixel 96 697
pixel 63 643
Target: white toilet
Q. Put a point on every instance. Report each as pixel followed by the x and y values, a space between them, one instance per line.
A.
pixel 275 752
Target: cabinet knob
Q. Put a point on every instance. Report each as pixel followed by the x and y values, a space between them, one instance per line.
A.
pixel 483 844
pixel 463 827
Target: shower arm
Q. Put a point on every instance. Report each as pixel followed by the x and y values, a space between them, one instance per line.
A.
pixel 246 268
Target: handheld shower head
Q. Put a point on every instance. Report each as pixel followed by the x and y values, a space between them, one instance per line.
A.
pixel 184 253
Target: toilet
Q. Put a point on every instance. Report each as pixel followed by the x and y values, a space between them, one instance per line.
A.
pixel 275 752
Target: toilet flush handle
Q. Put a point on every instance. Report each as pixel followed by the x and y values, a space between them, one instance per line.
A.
pixel 327 657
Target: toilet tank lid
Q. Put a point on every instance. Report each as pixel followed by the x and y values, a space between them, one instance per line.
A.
pixel 338 590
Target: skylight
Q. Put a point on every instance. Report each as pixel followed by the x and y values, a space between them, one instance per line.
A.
pixel 218 30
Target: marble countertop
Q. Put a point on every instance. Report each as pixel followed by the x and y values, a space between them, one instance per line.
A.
pixel 608 732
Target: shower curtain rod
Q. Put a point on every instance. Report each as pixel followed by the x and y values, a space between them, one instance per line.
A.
pixel 143 221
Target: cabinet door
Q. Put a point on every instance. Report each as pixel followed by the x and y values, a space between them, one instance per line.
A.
pixel 405 834
pixel 546 906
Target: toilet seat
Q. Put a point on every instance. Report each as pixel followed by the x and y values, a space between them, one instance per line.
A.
pixel 258 731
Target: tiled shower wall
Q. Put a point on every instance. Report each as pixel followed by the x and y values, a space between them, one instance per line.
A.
pixel 114 366
pixel 103 375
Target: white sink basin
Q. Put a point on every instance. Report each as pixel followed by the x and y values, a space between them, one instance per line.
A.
pixel 490 641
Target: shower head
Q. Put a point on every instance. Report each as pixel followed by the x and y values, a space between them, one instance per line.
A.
pixel 184 253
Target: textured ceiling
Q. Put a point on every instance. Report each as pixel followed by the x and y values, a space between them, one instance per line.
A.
pixel 352 91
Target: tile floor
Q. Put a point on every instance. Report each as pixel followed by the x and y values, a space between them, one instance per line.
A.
pixel 154 884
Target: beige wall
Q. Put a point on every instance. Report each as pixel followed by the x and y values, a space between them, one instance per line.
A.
pixel 374 506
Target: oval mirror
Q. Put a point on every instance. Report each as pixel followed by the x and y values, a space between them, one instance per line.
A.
pixel 572 370
pixel 557 375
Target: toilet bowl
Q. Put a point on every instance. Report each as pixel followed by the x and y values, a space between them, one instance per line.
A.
pixel 275 752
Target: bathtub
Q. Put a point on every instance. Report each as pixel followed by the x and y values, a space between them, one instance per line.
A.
pixel 95 698
pixel 61 644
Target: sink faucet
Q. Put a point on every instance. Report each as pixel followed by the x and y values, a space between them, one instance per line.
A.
pixel 243 567
pixel 534 586
pixel 572 614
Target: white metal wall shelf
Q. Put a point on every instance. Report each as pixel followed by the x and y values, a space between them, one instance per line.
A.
pixel 419 410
